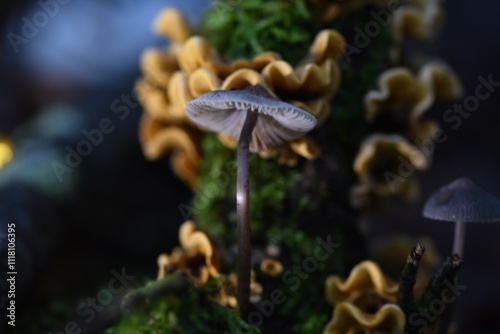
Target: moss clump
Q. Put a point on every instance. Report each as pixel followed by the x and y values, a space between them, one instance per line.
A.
pixel 303 280
pixel 214 206
pixel 185 312
pixel 284 26
pixel 217 185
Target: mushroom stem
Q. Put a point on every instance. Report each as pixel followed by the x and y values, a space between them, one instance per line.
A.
pixel 458 242
pixel 242 210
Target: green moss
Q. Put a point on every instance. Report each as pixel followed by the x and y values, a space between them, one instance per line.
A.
pixel 214 206
pixel 284 26
pixel 304 288
pixel 269 185
pixel 186 313
pixel 213 196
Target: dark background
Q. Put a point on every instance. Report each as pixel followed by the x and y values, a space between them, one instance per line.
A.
pixel 469 43
pixel 117 189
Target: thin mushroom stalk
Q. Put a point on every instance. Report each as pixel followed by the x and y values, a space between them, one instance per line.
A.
pixel 267 122
pixel 459 239
pixel 242 209
pixel 460 201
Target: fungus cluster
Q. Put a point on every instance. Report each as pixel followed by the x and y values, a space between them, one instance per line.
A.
pixel 387 159
pixel 365 300
pixel 196 256
pixel 190 67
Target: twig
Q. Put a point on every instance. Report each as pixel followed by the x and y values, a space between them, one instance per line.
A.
pixel 440 289
pixel 174 284
pixel 409 275
pixel 446 274
pixel 407 282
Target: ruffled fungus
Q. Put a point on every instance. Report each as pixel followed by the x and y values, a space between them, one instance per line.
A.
pixel 347 318
pixel 402 98
pixel 181 141
pixel 172 25
pixel 365 277
pixel 385 165
pixel 418 19
pixel 363 301
pixel 190 67
pixel 196 256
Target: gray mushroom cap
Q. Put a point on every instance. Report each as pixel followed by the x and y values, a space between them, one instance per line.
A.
pixel 224 111
pixel 462 201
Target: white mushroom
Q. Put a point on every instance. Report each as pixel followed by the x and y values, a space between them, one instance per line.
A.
pixel 462 202
pixel 225 111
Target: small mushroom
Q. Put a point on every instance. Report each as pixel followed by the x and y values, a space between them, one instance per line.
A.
pixel 163 263
pixel 462 202
pixel 348 318
pixel 258 121
pixel 271 267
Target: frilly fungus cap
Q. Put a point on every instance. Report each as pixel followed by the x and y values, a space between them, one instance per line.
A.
pixel 402 98
pixel 222 111
pixel 347 318
pixel 463 201
pixel 364 301
pixel 378 160
pixel 196 257
pixel 366 276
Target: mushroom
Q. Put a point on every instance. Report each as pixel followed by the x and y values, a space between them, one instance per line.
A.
pixel 163 263
pixel 258 121
pixel 271 267
pixel 462 202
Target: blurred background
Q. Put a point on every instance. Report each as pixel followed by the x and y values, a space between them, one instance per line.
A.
pixel 67 66
pixel 469 44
